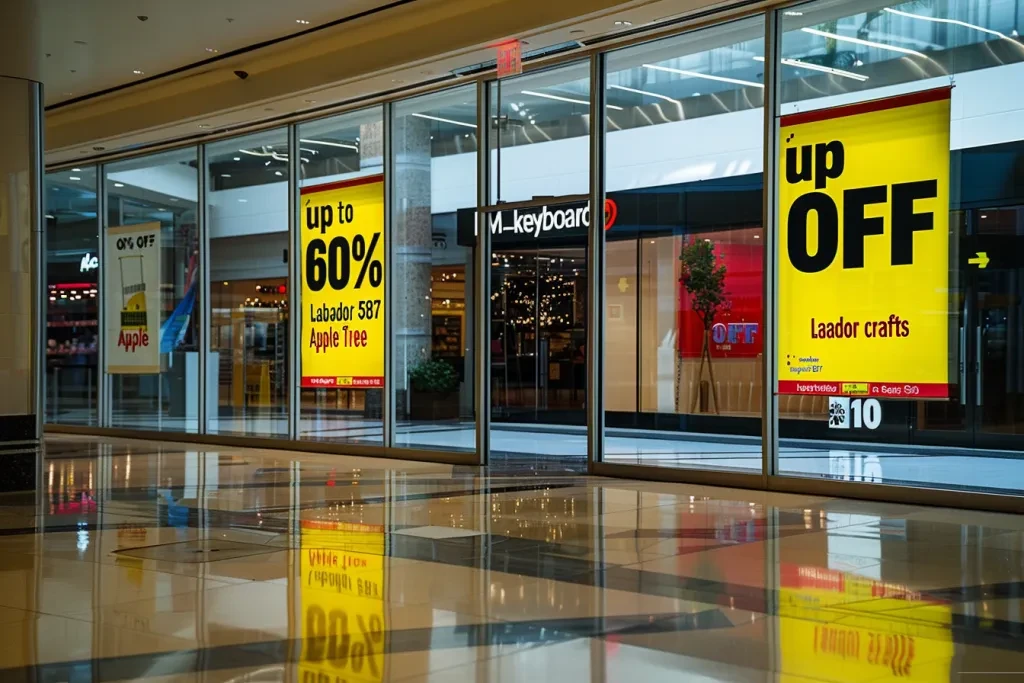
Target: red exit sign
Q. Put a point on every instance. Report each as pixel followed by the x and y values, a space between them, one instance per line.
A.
pixel 510 59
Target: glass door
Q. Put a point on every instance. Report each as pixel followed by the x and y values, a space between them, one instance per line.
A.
pixel 538 352
pixel 996 333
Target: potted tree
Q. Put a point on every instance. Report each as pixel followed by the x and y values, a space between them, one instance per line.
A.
pixel 433 394
pixel 703 278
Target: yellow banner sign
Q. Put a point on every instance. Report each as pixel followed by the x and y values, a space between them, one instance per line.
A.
pixel 864 249
pixel 344 622
pixel 342 265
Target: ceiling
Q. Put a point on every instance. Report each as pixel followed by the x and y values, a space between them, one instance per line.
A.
pixel 350 50
pixel 88 51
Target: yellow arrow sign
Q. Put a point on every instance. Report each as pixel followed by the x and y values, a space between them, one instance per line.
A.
pixel 981 260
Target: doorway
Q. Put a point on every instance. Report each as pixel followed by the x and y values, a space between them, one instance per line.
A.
pixel 538 350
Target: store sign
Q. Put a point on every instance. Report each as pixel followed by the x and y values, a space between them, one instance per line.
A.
pixel 131 295
pixel 344 622
pixel 864 244
pixel 88 263
pixel 828 622
pixel 548 223
pixel 342 265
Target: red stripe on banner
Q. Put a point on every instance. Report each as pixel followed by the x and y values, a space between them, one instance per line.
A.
pixel 331 382
pixel 874 389
pixel 920 97
pixel 365 180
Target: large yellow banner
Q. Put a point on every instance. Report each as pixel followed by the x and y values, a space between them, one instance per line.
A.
pixel 344 621
pixel 342 265
pixel 864 238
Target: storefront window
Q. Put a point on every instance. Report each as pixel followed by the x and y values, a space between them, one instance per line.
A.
pixel 684 256
pixel 247 213
pixel 151 295
pixel 72 306
pixel 539 277
pixel 915 374
pixel 434 143
pixel 342 248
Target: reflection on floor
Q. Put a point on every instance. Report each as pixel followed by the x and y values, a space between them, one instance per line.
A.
pixel 149 561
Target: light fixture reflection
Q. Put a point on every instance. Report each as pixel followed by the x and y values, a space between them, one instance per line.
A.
pixel 697 74
pixel 563 99
pixel 442 120
pixel 861 41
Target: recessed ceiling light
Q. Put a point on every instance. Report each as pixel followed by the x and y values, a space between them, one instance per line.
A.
pixel 204 125
pixel 161 209
pixel 73 177
pixel 301 21
pixel 118 184
pixel 213 50
pixel 237 158
pixel 243 201
pixel 138 73
pixel 623 23
pixel 225 175
pixel 278 173
pixel 77 170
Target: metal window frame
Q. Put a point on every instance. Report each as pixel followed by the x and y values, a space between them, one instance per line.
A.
pixel 205 310
pixel 596 268
pixel 388 165
pixel 482 278
pixel 294 360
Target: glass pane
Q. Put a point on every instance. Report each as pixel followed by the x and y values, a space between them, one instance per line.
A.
pixel 683 348
pixel 542 146
pixel 72 311
pixel 434 147
pixel 334 153
pixel 840 53
pixel 162 190
pixel 539 277
pixel 247 210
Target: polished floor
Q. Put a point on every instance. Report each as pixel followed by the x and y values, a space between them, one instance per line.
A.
pixel 159 562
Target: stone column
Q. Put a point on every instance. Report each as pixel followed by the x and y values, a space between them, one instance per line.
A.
pixel 412 237
pixel 21 243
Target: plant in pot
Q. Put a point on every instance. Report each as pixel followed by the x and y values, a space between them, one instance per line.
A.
pixel 434 394
pixel 703 278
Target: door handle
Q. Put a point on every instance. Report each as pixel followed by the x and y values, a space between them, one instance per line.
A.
pixel 979 355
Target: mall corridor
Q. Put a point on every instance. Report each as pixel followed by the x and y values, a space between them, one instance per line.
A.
pixel 137 560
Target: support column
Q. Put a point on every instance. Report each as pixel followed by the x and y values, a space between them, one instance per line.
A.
pixel 411 300
pixel 21 244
